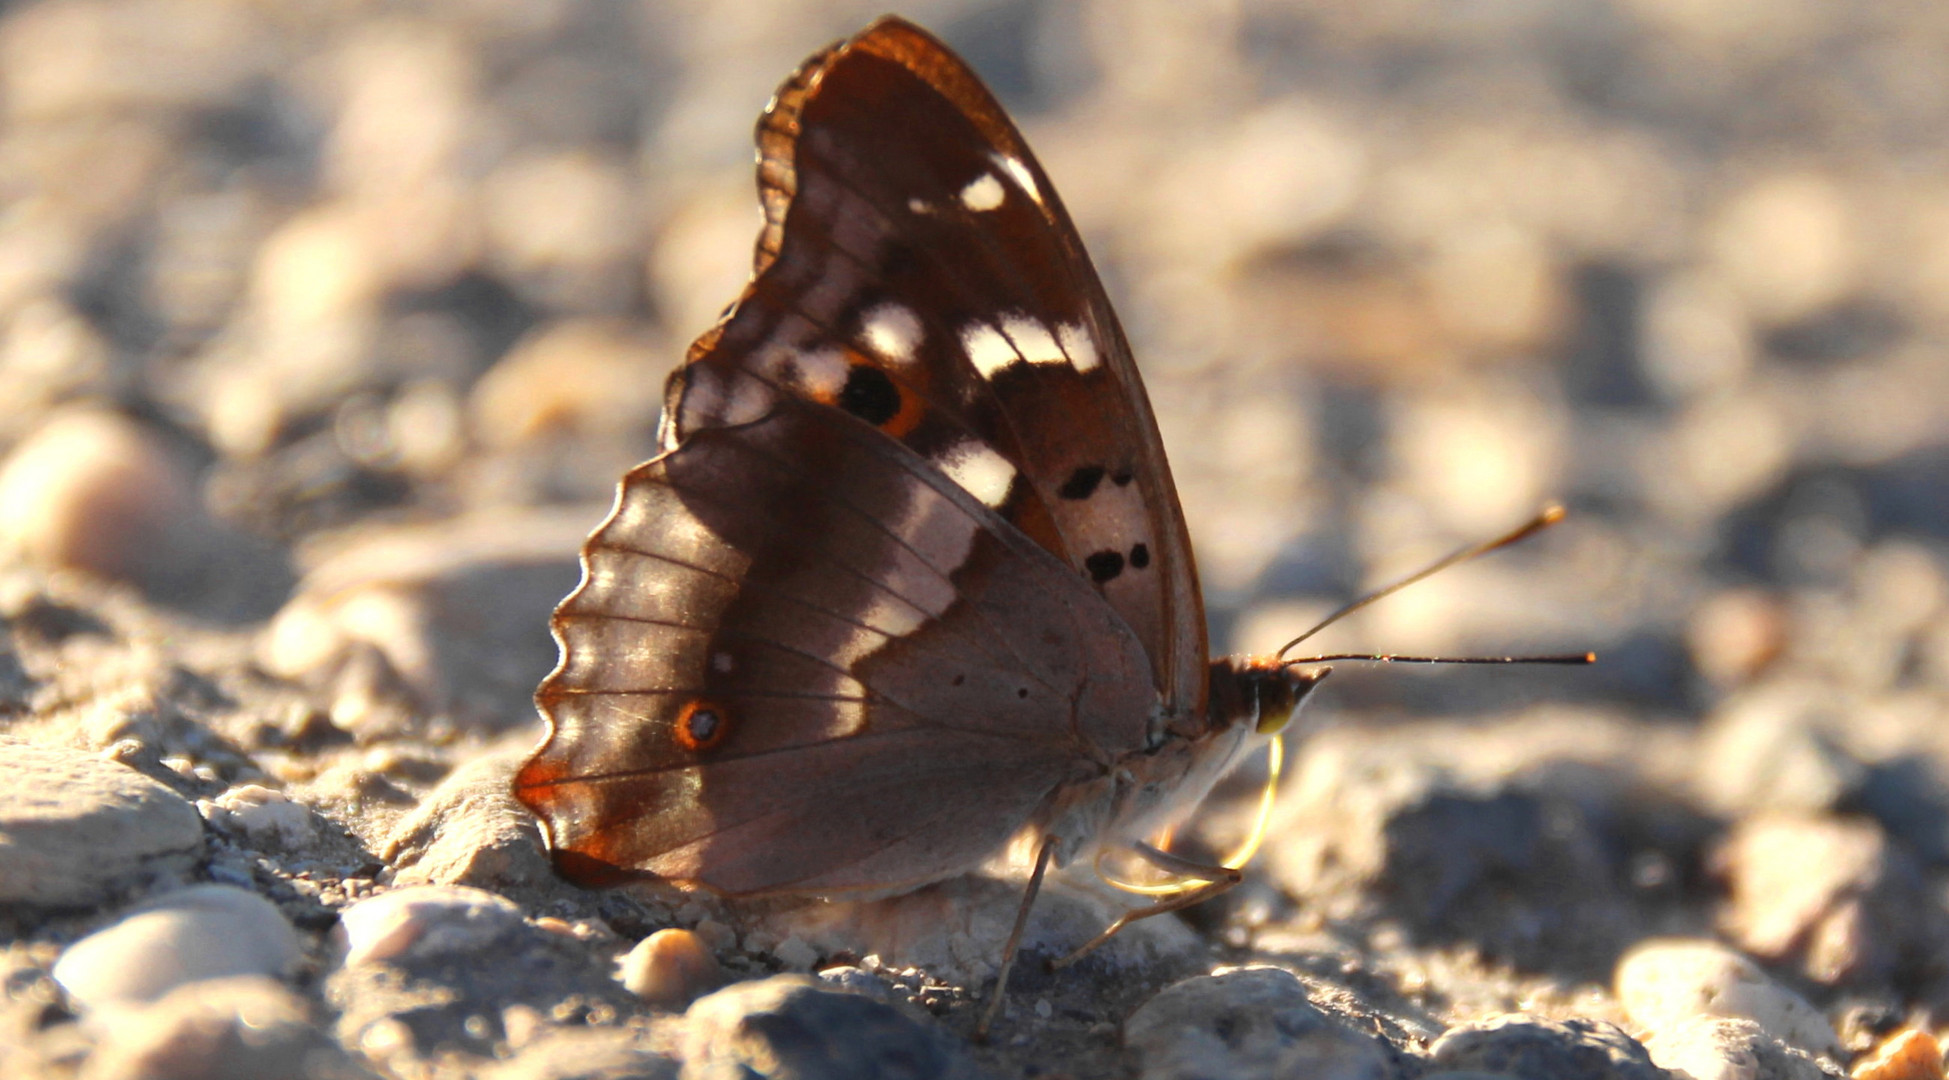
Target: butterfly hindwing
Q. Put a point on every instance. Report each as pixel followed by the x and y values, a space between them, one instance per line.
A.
pixel 795 627
pixel 918 272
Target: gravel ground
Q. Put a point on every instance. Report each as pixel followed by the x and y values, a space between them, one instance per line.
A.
pixel 327 328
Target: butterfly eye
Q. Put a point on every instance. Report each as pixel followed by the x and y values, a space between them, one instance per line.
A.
pixel 702 725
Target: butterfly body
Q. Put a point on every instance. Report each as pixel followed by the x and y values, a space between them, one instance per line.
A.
pixel 909 578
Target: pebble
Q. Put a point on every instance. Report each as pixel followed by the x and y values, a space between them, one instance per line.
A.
pixel 1251 1023
pixel 242 1028
pixel 670 969
pixel 1831 895
pixel 470 830
pixel 92 490
pixel 1771 748
pixel 421 921
pixel 1666 982
pixel 1719 1048
pixel 458 612
pixel 75 827
pixel 1908 1055
pixel 265 816
pixel 188 936
pixel 792 1026
pixel 1534 1048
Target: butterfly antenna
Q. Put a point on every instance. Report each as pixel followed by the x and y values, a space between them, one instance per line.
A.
pixel 1549 516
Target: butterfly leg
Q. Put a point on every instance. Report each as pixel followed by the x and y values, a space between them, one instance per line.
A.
pixel 1211 881
pixel 1015 937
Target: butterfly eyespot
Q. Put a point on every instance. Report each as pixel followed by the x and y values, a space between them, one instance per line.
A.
pixel 1104 566
pixel 870 395
pixel 1140 556
pixel 702 725
pixel 1082 483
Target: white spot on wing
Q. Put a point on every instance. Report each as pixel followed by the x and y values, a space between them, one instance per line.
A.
pixel 892 331
pixel 1033 340
pixel 722 663
pixel 987 349
pixel 750 400
pixel 979 470
pixel 1019 172
pixel 919 206
pixel 984 192
pixel 822 372
pixel 1081 347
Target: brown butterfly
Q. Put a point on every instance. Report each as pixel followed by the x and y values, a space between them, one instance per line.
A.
pixel 910 576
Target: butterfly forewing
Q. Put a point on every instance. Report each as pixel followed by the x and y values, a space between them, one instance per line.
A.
pixel 796 627
pixel 918 272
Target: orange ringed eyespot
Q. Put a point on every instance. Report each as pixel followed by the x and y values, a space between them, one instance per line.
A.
pixel 702 724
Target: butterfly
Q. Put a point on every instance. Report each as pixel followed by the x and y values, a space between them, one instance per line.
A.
pixel 909 578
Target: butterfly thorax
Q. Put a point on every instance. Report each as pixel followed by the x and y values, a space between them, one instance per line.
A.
pixel 1251 699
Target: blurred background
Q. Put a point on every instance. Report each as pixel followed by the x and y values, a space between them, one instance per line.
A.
pixel 297 298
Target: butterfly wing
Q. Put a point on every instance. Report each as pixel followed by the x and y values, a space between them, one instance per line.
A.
pixel 803 661
pixel 918 271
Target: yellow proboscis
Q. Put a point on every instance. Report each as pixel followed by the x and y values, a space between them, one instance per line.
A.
pixel 1275 761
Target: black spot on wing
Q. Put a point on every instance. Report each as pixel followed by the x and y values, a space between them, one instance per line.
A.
pixel 1082 483
pixel 1104 565
pixel 1123 478
pixel 1140 556
pixel 870 395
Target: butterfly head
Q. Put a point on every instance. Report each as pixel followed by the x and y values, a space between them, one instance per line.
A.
pixel 1262 691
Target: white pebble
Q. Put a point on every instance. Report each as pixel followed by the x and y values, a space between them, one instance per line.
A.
pixel 205 932
pixel 1716 1048
pixel 1666 981
pixel 264 815
pixel 796 954
pixel 423 920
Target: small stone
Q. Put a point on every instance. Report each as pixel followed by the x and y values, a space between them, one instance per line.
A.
pixel 790 1025
pixel 1907 1055
pixel 1832 895
pixel 91 490
pixel 1251 1022
pixel 1665 982
pixel 1787 244
pixel 458 614
pixel 1719 1048
pixel 1534 1048
pixel 1772 748
pixel 423 920
pixel 75 827
pixel 1733 635
pixel 94 491
pixel 796 954
pixel 243 1028
pixel 670 969
pixel 470 830
pixel 265 816
pixel 188 936
pixel 579 375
